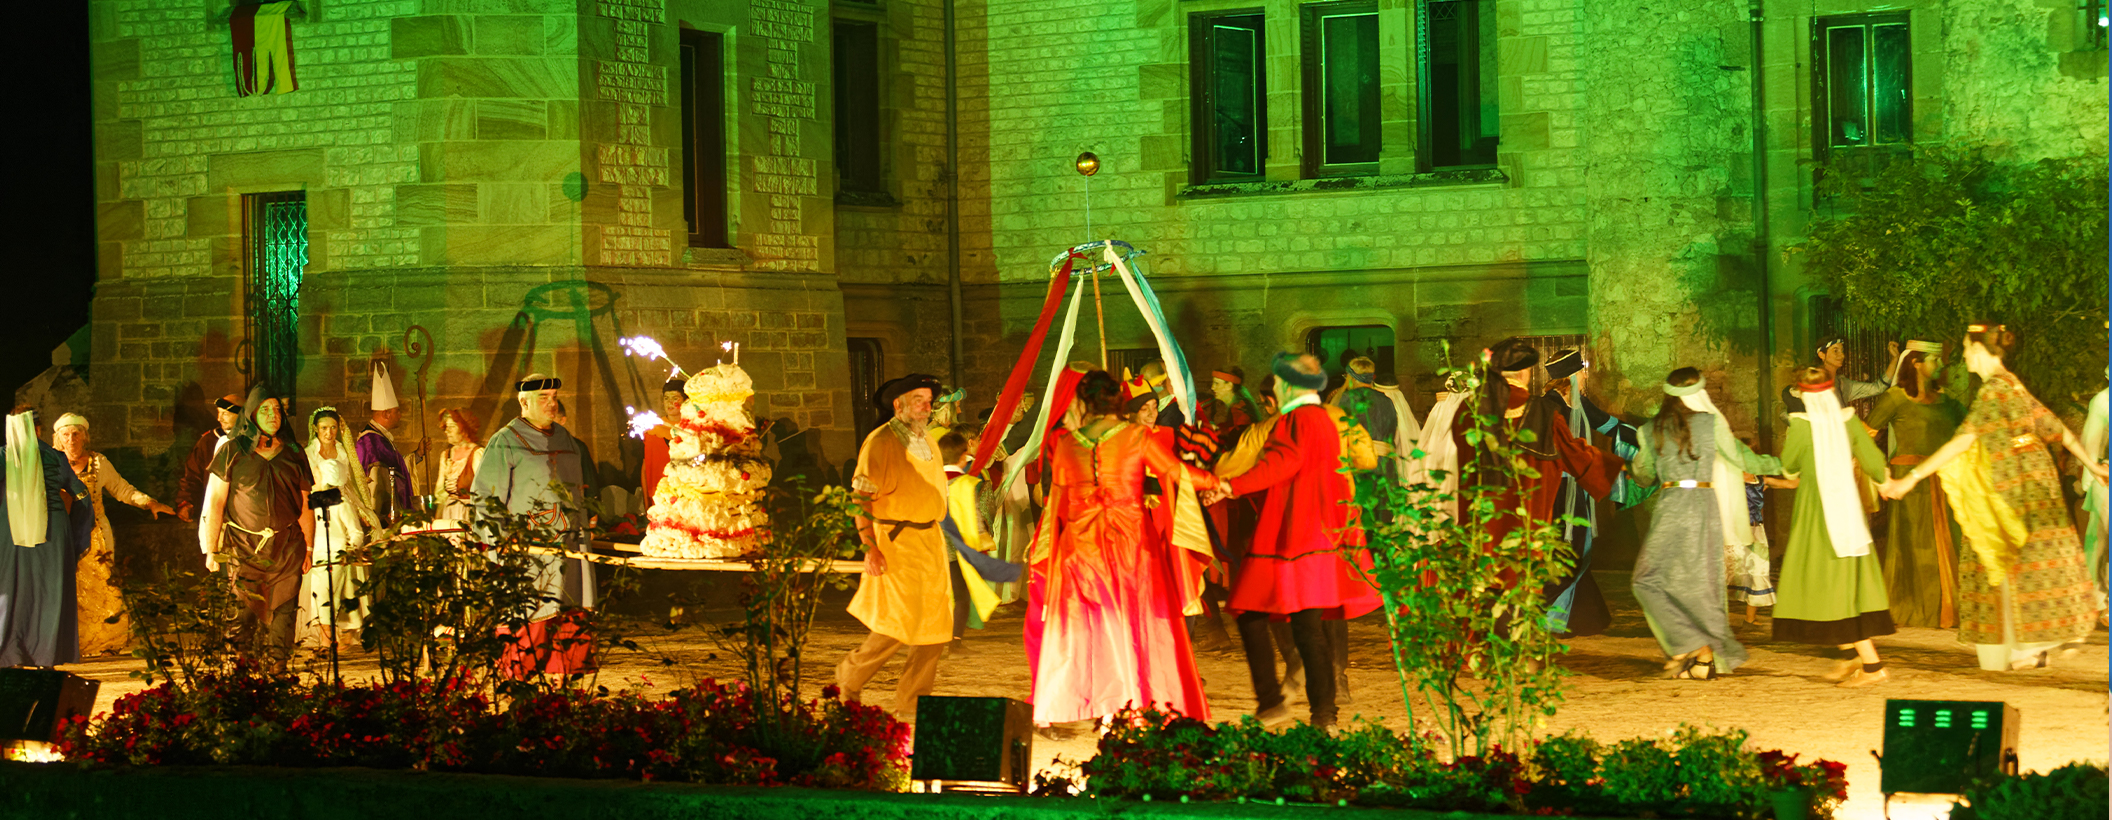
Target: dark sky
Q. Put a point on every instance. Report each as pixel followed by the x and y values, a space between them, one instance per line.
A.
pixel 50 226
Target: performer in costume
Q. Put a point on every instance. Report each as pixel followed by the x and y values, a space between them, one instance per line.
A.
pixel 1688 451
pixel 39 623
pixel 2023 592
pixel 458 467
pixel 658 439
pixel 333 590
pixel 256 521
pixel 971 508
pixel 1438 466
pixel 190 488
pixel 387 474
pixel 1832 591
pixel 1553 452
pixel 1575 604
pixel 1240 515
pixel 100 598
pixel 521 464
pixel 1921 539
pixel 904 597
pixel 1752 580
pixel 1833 357
pixel 1230 405
pixel 2096 507
pixel 1297 569
pixel 1113 632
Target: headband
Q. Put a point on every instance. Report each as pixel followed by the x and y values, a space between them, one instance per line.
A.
pixel 1919 346
pixel 224 403
pixel 1984 328
pixel 70 420
pixel 532 385
pixel 1224 377
pixel 1830 344
pixel 1683 391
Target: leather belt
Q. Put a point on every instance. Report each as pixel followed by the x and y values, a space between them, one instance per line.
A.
pixel 1684 485
pixel 896 526
pixel 1907 460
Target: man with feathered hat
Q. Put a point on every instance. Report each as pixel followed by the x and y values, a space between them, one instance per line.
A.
pixel 376 446
pixel 906 594
pixel 190 489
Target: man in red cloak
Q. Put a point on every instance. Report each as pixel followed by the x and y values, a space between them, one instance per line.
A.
pixel 1305 564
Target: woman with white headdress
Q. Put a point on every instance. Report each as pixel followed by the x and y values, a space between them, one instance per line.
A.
pixel 332 585
pixel 1832 591
pixel 37 542
pixel 1921 540
pixel 101 605
pixel 1689 453
pixel 2023 591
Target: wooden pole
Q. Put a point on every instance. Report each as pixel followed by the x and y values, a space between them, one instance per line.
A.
pixel 1100 313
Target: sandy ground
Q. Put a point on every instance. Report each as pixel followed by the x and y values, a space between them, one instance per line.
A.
pixel 1618 690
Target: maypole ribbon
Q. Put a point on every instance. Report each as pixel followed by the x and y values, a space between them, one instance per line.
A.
pixel 1016 384
pixel 1169 352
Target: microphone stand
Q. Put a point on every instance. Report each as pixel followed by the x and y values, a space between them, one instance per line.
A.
pixel 330 583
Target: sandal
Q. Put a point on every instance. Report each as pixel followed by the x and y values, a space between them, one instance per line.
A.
pixel 1696 669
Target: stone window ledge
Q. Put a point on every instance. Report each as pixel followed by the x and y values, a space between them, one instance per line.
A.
pixel 867 199
pixel 1429 179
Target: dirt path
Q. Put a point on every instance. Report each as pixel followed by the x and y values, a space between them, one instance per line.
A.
pixel 1617 692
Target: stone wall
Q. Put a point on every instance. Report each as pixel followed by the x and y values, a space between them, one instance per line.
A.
pixel 505 175
pixel 2023 75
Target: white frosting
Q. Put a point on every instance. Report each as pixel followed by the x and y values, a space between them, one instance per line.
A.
pixel 699 494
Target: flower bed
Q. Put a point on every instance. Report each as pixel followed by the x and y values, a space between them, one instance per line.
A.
pixel 710 733
pixel 1693 773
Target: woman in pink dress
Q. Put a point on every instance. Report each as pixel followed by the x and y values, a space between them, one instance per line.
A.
pixel 1112 630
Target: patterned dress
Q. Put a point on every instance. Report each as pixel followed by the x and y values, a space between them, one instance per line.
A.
pixel 2024 594
pixel 1921 540
pixel 100 597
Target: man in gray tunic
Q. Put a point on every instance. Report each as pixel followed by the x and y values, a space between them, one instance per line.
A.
pixel 532 466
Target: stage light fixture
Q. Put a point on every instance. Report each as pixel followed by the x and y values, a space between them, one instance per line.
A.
pixel 1941 746
pixel 35 704
pixel 972 744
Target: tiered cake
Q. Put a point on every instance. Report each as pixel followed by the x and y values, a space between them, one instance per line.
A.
pixel 706 504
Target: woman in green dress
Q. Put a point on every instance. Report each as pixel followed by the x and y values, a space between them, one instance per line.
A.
pixel 1832 591
pixel 1921 540
pixel 2023 591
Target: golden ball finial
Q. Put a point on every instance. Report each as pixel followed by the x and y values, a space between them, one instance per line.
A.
pixel 1088 163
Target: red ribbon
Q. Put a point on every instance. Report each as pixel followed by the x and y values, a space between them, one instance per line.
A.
pixel 1016 384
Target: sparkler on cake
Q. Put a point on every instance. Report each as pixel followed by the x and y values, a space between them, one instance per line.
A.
pixel 706 504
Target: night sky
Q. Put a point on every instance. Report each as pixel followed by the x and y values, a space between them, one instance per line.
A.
pixel 51 217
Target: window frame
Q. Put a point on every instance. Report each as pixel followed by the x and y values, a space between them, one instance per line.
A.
pixel 1821 80
pixel 877 185
pixel 1202 93
pixel 1312 64
pixel 1426 104
pixel 865 379
pixel 273 355
pixel 702 110
pixel 1335 369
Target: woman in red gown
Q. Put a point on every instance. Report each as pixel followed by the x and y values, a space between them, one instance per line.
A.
pixel 1112 631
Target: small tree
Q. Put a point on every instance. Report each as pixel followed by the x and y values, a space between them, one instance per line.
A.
pixel 1461 605
pixel 1921 244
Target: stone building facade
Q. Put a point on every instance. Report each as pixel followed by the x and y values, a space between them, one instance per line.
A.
pixel 531 180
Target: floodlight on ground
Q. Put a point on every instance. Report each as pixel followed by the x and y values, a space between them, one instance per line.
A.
pixel 972 744
pixel 1943 746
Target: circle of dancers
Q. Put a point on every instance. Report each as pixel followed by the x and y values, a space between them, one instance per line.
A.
pixel 1130 527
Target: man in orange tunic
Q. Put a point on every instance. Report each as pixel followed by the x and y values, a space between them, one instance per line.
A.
pixel 906 595
pixel 1296 569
